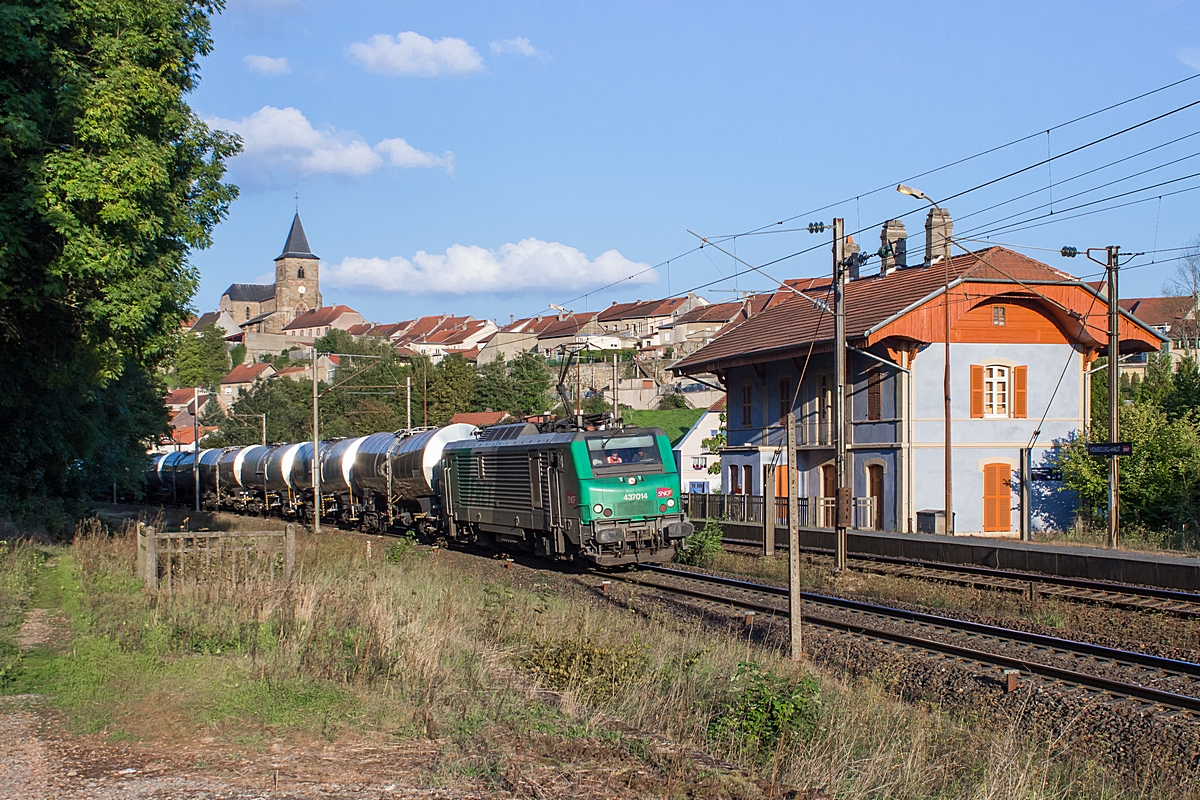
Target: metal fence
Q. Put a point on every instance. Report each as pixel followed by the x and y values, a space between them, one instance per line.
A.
pixel 815 512
pixel 167 560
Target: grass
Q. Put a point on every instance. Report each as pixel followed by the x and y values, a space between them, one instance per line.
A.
pixel 674 422
pixel 407 646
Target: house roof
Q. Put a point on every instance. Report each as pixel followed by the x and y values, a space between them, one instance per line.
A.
pixel 569 325
pixel 251 292
pixel 207 318
pixel 183 397
pixel 790 321
pixel 296 245
pixel 186 434
pixel 420 329
pixel 719 405
pixel 640 309
pixel 456 335
pixel 247 373
pixel 480 419
pixel 723 312
pixel 1157 310
pixel 529 325
pixel 257 319
pixel 319 317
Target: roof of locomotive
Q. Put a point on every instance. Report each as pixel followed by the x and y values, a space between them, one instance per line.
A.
pixel 545 439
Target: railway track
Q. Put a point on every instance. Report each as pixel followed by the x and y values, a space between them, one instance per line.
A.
pixel 1153 680
pixel 1031 584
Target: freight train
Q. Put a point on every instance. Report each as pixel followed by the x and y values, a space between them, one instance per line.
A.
pixel 604 497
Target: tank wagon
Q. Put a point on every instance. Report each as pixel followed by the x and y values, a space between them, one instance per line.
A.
pixel 606 497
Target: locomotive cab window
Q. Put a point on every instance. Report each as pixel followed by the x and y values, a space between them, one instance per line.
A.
pixel 625 453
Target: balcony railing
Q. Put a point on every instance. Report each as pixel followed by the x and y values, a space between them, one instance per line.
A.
pixel 815 512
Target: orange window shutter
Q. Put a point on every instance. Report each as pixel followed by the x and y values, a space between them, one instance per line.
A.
pixel 989 497
pixel 976 391
pixel 1020 378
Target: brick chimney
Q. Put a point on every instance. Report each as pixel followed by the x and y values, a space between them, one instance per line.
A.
pixel 939 228
pixel 894 241
pixel 851 248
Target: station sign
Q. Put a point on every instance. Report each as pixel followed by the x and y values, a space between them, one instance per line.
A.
pixel 1110 449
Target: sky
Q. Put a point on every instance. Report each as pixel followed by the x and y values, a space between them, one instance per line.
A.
pixel 495 158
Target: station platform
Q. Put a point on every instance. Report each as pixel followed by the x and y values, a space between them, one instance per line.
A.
pixel 1070 561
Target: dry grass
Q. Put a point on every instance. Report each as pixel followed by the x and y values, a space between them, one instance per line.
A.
pixel 413 646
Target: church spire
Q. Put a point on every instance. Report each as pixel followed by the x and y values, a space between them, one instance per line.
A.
pixel 297 243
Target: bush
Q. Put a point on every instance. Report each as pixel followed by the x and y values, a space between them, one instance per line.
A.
pixel 702 546
pixel 765 708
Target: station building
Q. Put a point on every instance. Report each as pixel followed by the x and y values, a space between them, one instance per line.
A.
pixel 1023 337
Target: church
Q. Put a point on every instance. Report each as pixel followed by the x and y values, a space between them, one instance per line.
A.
pixel 268 308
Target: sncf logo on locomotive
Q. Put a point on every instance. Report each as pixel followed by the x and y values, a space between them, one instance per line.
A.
pixel 665 491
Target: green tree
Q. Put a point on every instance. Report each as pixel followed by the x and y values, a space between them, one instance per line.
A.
pixel 531 380
pixel 713 444
pixel 495 390
pixel 451 386
pixel 109 181
pixel 673 399
pixel 237 355
pixel 202 359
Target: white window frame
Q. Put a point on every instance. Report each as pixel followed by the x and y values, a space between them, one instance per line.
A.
pixel 699 462
pixel 997 391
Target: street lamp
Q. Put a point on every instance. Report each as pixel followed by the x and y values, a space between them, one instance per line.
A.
pixel 917 193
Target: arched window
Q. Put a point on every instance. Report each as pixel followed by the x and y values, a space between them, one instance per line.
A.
pixel 995 391
pixel 299 272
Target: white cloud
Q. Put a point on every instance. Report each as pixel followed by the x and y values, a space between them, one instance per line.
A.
pixel 410 53
pixel 518 46
pixel 1189 56
pixel 281 144
pixel 267 65
pixel 406 156
pixel 468 269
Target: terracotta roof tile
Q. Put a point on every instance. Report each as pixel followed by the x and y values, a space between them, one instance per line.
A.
pixel 247 373
pixel 319 317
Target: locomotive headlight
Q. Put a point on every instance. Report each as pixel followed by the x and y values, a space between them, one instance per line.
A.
pixel 597 509
pixel 671 503
pixel 632 481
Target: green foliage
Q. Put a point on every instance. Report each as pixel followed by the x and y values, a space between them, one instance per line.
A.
pixel 201 359
pixel 673 400
pixel 109 181
pixel 702 546
pixel 237 355
pixel 495 390
pixel 765 708
pixel 451 387
pixel 531 384
pixel 593 669
pixel 674 423
pixel 713 444
pixel 401 550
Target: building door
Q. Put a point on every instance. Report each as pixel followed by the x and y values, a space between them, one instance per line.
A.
pixel 997 498
pixel 875 489
pixel 828 496
pixel 747 479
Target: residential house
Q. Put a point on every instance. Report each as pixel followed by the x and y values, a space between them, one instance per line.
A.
pixel 568 330
pixel 643 318
pixel 221 318
pixel 241 379
pixel 482 419
pixel 1175 318
pixel 181 399
pixel 320 321
pixel 693 329
pixel 462 337
pixel 693 459
pixel 518 336
pixel 1016 324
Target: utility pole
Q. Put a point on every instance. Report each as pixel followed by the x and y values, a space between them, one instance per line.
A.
pixel 316 462
pixel 843 510
pixel 795 601
pixel 616 388
pixel 1026 477
pixel 408 403
pixel 768 496
pixel 1114 399
pixel 196 442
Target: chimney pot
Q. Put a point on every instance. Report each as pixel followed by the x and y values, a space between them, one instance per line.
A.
pixel 851 248
pixel 939 228
pixel 893 240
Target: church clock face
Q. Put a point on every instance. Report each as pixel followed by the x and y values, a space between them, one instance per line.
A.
pixel 300 289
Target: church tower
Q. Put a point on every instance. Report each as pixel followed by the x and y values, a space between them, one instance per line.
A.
pixel 297 288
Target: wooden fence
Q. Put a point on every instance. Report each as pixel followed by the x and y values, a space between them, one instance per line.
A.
pixel 167 559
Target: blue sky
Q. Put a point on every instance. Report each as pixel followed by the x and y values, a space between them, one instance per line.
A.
pixel 489 159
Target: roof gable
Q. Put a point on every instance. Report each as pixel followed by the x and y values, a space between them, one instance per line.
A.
pixel 319 317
